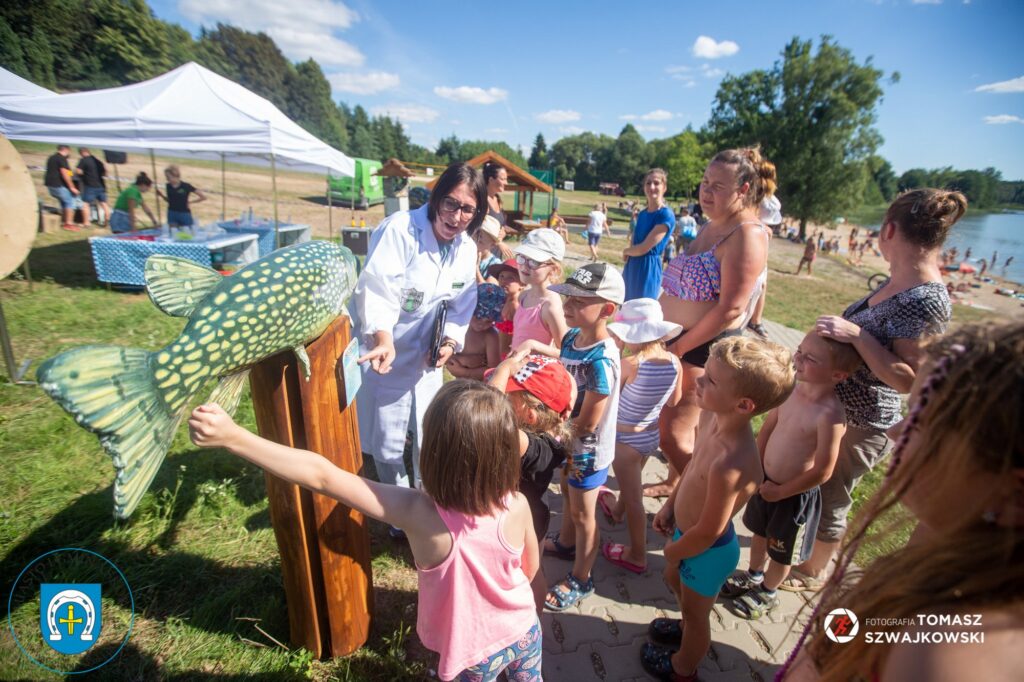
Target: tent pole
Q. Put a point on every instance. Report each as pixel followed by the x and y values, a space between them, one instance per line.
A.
pixel 330 212
pixel 152 161
pixel 273 180
pixel 223 191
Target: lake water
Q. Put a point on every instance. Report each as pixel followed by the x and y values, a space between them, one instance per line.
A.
pixel 988 232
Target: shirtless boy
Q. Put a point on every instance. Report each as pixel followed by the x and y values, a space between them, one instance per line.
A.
pixel 799 445
pixel 743 378
pixel 480 351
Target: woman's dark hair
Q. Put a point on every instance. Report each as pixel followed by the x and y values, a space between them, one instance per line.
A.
pixel 491 170
pixel 924 216
pixel 143 179
pixel 470 454
pixel 453 176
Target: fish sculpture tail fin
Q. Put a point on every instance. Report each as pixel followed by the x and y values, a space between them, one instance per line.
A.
pixel 112 391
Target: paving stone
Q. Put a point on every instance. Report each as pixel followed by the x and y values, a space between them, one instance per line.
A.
pixel 568 667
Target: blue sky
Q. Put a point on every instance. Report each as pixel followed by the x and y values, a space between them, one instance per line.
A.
pixel 508 71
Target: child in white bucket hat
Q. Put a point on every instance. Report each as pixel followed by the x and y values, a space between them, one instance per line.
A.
pixel 540 316
pixel 651 379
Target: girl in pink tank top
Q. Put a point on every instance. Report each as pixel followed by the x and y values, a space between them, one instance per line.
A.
pixel 470 531
pixel 539 316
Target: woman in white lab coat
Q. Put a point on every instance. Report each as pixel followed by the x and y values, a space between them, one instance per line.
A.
pixel 417 260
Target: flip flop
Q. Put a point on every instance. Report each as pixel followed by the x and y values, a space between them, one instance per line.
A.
pixel 798 581
pixel 612 551
pixel 557 549
pixel 606 507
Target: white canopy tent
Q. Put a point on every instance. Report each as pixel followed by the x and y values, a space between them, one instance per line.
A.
pixel 14 86
pixel 189 112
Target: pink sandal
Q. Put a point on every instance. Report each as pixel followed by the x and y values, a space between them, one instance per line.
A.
pixel 612 551
pixel 606 507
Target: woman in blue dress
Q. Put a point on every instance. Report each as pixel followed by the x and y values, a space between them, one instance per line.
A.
pixel 654 227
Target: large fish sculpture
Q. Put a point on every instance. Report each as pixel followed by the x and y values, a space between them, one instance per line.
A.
pixel 134 399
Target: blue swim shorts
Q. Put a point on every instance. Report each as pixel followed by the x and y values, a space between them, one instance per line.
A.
pixel 583 474
pixel 707 572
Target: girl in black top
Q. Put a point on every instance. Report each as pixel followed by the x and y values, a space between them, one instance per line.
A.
pixel 177 197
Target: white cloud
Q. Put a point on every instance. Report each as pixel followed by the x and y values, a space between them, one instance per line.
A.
pixel 1012 85
pixel 927 2
pixel 709 72
pixel 678 69
pixel 656 115
pixel 571 130
pixel 470 95
pixel 1002 119
pixel 650 129
pixel 708 48
pixel 303 29
pixel 407 113
pixel 363 83
pixel 556 116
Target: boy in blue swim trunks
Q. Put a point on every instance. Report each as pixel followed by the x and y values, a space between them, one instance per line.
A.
pixel 743 378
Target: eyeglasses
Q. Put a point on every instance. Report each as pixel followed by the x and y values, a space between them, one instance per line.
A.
pixel 450 205
pixel 533 264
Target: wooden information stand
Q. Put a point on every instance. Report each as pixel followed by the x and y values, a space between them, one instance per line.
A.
pixel 324 545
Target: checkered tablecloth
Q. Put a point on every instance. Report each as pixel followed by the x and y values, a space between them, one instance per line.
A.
pixel 291 233
pixel 122 261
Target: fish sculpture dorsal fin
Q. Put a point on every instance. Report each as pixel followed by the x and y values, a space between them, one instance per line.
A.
pixel 177 285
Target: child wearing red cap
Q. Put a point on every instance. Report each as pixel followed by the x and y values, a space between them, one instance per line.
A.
pixel 542 394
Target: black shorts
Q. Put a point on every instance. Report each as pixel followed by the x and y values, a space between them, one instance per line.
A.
pixel 788 525
pixel 698 357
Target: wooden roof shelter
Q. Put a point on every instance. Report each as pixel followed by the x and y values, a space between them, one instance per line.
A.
pixel 519 180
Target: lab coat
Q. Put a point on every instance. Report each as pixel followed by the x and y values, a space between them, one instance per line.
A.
pixel 399 291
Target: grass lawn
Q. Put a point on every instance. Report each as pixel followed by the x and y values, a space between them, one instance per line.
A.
pixel 199 552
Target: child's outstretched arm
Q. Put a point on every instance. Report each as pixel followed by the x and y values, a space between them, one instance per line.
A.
pixel 830 429
pixel 409 509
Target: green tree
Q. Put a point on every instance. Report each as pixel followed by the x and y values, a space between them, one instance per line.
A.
pixel 684 157
pixel 310 104
pixel 883 177
pixel 11 56
pixel 470 148
pixel 449 149
pixel 252 60
pixel 129 43
pixel 813 114
pixel 577 157
pixel 539 153
pixel 627 160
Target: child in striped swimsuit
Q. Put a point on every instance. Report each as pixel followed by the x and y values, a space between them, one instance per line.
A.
pixel 651 379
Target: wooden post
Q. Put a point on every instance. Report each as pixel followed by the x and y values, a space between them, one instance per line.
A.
pixel 324 545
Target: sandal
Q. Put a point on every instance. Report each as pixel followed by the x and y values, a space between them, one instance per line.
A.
pixel 566 599
pixel 605 505
pixel 666 631
pixel 557 549
pixel 798 581
pixel 738 585
pixel 612 551
pixel 657 661
pixel 755 604
pixel 758 329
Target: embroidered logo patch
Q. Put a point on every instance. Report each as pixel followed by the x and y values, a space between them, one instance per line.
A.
pixel 411 300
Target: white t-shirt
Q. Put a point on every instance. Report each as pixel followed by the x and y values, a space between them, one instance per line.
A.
pixel 597 220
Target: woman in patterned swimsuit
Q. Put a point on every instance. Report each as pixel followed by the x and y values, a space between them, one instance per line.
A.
pixel 886 328
pixel 712 288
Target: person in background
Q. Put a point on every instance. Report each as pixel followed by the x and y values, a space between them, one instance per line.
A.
pixel 770 212
pixel 687 228
pixel 810 253
pixel 654 227
pixel 59 185
pixel 597 226
pixel 486 238
pixel 557 223
pixel 93 174
pixel 178 193
pixel 496 178
pixel 124 219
